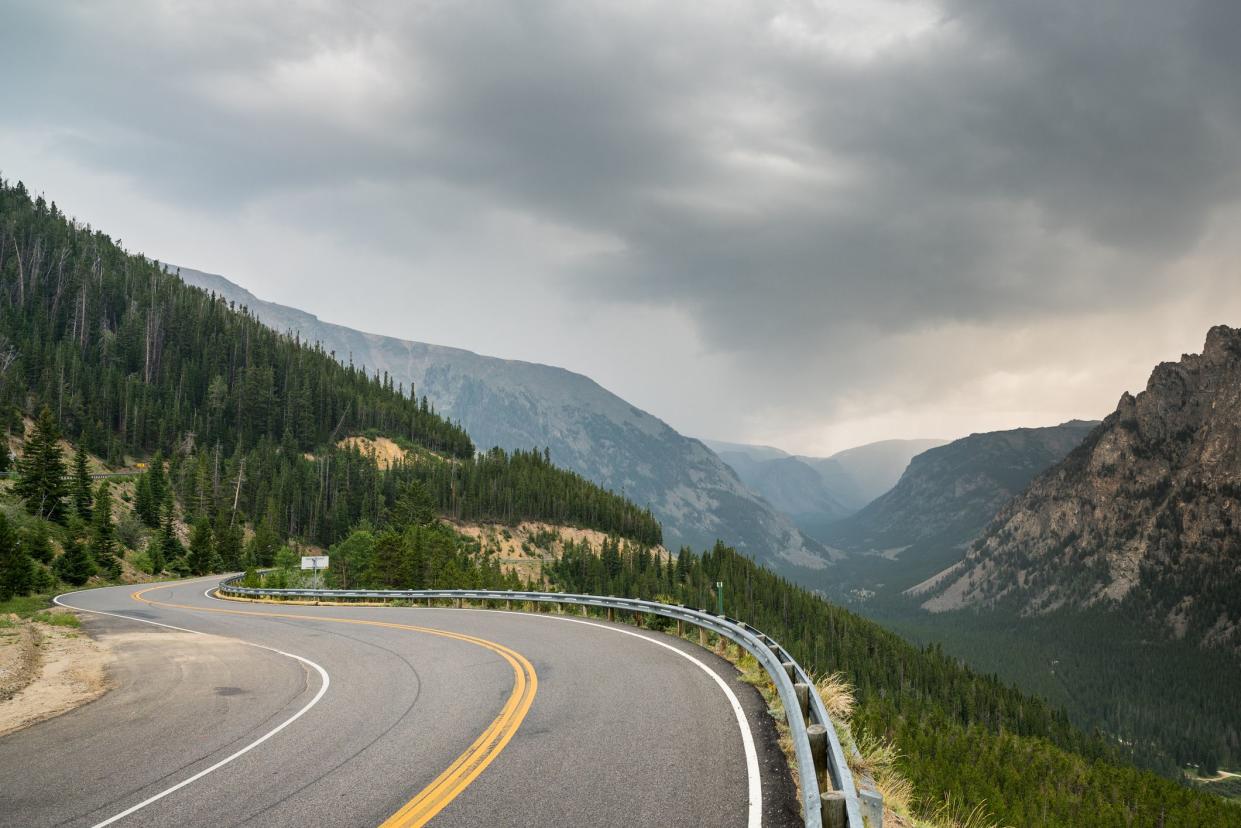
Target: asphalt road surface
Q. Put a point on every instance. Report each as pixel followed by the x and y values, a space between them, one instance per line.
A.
pixel 233 713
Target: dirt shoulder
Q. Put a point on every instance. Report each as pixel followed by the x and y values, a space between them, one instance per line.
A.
pixel 47 670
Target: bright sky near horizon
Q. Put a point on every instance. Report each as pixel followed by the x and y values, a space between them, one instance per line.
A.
pixel 804 224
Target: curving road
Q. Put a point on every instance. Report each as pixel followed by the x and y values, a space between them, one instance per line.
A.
pixel 229 713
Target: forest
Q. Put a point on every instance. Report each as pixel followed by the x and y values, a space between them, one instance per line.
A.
pixel 238 425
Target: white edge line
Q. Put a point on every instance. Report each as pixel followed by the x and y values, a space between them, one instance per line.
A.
pixel 326 682
pixel 754 778
pixel 747 738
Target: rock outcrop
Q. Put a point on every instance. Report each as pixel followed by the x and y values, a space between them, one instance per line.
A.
pixel 1145 512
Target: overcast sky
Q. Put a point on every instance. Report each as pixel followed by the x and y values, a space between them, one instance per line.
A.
pixel 809 224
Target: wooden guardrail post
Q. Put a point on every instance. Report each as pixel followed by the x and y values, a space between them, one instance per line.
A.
pixel 817 734
pixel 803 698
pixel 833 809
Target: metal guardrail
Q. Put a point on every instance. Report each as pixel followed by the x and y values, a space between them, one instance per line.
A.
pixel 92 475
pixel 815 743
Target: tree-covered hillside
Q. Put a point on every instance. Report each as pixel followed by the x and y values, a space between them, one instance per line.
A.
pixel 242 424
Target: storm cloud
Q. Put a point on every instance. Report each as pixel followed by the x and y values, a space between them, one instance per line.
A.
pixel 804 223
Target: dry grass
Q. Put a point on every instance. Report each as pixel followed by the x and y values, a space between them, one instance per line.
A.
pixel 951 815
pixel 837 695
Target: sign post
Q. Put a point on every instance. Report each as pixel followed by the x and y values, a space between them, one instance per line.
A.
pixel 719 597
pixel 314 563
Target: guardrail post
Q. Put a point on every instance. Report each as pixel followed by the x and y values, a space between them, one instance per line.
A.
pixel 833 809
pixel 803 697
pixel 460 603
pixel 702 636
pixel 611 614
pixel 817 734
pixel 790 669
pixel 680 628
pixel 508 604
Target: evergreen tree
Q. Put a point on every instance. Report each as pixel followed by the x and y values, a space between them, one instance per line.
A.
pixel 75 566
pixel 170 548
pixel 262 548
pixel 81 486
pixel 17 572
pixel 228 543
pixel 202 557
pixel 103 532
pixel 41 471
pixel 146 507
pixel 37 543
pixel 155 553
pixel 414 507
pixel 5 458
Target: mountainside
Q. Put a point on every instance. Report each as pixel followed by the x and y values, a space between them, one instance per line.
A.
pixel 1143 513
pixel 523 405
pixel 948 494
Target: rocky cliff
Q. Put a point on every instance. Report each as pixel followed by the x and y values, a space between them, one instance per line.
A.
pixel 1146 512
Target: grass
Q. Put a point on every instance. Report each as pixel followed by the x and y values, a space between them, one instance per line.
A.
pixel 57 619
pixel 24 606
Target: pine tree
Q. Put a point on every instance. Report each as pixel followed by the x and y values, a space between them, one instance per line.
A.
pixel 414 507
pixel 41 471
pixel 17 573
pixel 75 566
pixel 202 556
pixel 37 543
pixel 170 548
pixel 81 488
pixel 145 504
pixel 103 532
pixel 228 541
pixel 155 553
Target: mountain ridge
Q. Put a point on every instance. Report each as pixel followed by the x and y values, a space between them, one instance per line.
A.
pixel 516 404
pixel 1142 513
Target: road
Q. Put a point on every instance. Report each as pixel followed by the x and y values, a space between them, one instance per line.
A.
pixel 231 713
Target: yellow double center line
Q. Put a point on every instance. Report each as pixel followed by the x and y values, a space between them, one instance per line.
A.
pixel 465 768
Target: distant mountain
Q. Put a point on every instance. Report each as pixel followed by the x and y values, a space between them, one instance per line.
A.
pixel 752 452
pixel 1143 514
pixel 950 493
pixel 790 484
pixel 861 474
pixel 818 491
pixel 514 404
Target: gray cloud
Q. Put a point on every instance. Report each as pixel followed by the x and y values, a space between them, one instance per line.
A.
pixel 833 189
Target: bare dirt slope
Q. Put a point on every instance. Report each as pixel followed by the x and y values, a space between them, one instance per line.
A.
pixel 46 670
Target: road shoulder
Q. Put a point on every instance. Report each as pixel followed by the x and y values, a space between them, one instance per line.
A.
pixel 47 670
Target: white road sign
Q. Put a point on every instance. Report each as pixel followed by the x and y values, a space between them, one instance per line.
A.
pixel 314 561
